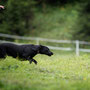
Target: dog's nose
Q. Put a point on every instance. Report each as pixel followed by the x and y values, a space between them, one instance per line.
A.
pixel 51 53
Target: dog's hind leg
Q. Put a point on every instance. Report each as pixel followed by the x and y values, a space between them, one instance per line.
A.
pixel 2 53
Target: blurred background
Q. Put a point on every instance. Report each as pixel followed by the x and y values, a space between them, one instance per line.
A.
pixel 63 26
pixel 52 19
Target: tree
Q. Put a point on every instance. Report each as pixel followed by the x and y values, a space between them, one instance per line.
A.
pixel 16 18
pixel 83 27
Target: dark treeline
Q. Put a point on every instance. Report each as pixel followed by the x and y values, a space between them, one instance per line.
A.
pixel 83 27
pixel 18 15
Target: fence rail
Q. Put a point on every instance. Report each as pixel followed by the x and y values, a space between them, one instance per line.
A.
pixel 37 39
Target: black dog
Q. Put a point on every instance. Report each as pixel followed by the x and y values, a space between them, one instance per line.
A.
pixel 25 52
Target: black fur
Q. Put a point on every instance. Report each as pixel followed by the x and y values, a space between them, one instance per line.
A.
pixel 25 52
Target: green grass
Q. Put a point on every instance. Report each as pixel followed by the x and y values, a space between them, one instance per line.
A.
pixel 59 72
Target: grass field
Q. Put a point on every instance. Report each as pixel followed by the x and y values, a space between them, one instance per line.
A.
pixel 59 72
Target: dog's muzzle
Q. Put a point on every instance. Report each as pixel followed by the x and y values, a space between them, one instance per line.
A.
pixel 50 54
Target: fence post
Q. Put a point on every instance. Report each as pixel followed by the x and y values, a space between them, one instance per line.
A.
pixel 37 41
pixel 77 47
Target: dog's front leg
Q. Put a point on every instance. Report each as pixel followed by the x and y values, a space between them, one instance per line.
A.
pixel 34 61
pixel 31 60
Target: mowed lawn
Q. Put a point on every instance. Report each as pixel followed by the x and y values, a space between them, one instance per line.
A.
pixel 59 72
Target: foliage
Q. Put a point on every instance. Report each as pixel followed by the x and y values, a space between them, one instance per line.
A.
pixel 15 19
pixel 58 2
pixel 64 18
pixel 56 22
pixel 83 27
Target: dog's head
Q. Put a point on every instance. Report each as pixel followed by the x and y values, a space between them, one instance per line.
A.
pixel 45 50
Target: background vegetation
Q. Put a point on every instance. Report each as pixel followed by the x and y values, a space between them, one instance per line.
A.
pixel 55 19
pixel 62 18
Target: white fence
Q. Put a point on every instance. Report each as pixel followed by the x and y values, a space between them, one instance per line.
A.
pixel 77 42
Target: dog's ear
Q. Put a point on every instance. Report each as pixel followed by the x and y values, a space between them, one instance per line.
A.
pixel 40 46
pixel 36 47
